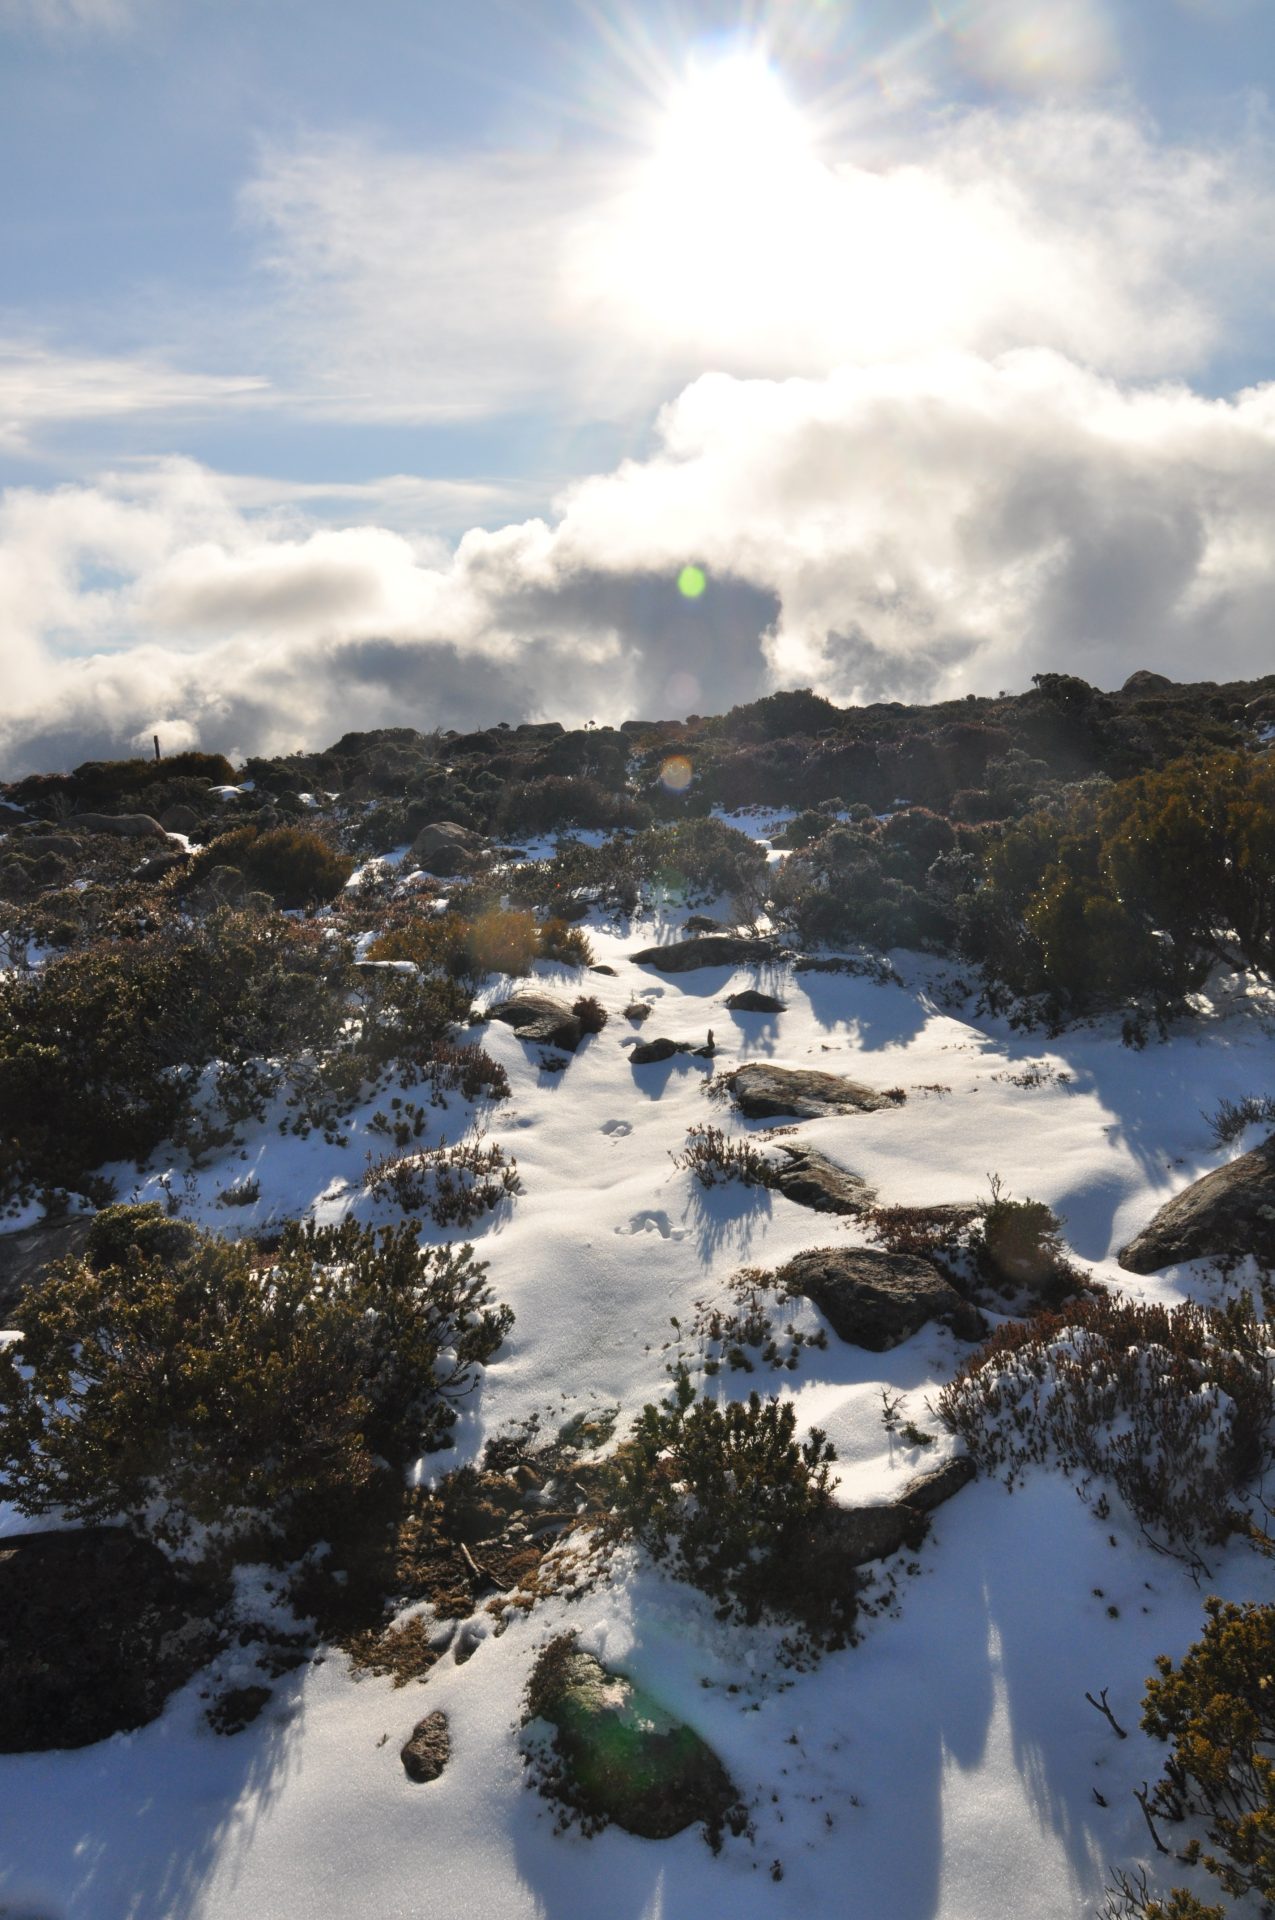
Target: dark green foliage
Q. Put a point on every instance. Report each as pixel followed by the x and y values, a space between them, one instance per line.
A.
pixel 557 801
pixel 1134 891
pixel 1217 1708
pixel 725 1494
pixel 99 1049
pixel 297 868
pixel 193 1383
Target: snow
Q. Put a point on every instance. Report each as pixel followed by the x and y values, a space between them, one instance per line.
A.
pixel 943 1769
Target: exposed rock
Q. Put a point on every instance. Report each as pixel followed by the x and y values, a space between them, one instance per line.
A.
pixel 709 950
pixel 623 1757
pixel 812 1180
pixel 96 1630
pixel 876 1300
pixel 445 847
pixel 25 1256
pixel 1143 681
pixel 541 1017
pixel 430 1748
pixel 33 846
pixel 160 864
pixel 638 1011
pixel 751 1001
pixel 125 826
pixel 704 923
pixel 937 1484
pixel 602 967
pixel 1230 1211
pixel 855 1535
pixel 648 1052
pixel 764 1092
pixel 180 819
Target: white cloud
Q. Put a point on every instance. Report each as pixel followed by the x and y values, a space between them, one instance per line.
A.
pixel 58 17
pixel 40 386
pixel 432 287
pixel 946 525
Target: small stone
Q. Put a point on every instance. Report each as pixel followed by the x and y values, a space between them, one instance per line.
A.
pixel 430 1748
pixel 752 1001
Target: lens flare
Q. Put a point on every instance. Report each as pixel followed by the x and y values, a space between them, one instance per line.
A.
pixel 691 582
pixel 676 774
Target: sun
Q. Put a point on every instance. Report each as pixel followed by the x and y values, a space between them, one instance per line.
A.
pixel 708 214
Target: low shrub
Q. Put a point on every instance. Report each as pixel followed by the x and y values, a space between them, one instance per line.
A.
pixel 590 1012
pixel 1231 1118
pixel 454 1185
pixel 469 947
pixel 297 868
pixel 725 1494
pixel 1171 1405
pixel 223 1400
pixel 715 1157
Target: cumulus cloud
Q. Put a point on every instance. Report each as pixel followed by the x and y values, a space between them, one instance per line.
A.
pixel 428 286
pixel 910 530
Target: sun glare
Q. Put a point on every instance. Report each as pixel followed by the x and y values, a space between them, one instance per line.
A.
pixel 732 158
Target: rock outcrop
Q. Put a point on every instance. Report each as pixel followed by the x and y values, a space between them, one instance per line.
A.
pixel 812 1180
pixel 444 848
pixel 26 1256
pixel 96 1630
pixel 1229 1213
pixel 753 1001
pixel 542 1017
pixel 708 950
pixel 877 1300
pixel 623 1758
pixel 763 1092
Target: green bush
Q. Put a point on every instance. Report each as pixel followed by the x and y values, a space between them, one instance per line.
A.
pixel 726 1494
pixel 212 1395
pixel 100 1049
pixel 1134 890
pixel 1217 1708
pixel 295 867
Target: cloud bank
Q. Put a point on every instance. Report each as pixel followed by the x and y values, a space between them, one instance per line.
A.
pixel 948 441
pixel 916 530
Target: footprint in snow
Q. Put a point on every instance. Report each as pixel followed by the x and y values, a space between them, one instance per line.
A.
pixel 653 1221
pixel 617 1128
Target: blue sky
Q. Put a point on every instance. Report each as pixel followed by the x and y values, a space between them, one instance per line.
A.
pixel 356 360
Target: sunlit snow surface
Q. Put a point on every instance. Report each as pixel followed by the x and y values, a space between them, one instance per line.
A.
pixel 946 1766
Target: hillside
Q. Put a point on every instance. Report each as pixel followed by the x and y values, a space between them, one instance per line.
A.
pixel 837 1056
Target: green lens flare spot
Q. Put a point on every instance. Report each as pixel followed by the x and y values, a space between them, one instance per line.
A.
pixel 691 582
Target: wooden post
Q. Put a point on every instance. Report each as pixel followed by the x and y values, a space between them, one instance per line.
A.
pixel 156 740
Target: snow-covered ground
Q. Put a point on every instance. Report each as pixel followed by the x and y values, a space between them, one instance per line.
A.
pixel 948 1765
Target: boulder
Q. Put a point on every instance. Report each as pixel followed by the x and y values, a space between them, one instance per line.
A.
pixel 751 1001
pixel 932 1487
pixel 444 847
pixel 812 1180
pixel 709 950
pixel 763 1092
pixel 623 1757
pixel 876 1300
pixel 125 826
pixel 33 846
pixel 1229 1212
pixel 1144 682
pixel 97 1628
pixel 429 1749
pixel 26 1256
pixel 855 1535
pixel 540 1016
pixel 160 864
pixel 180 819
pixel 647 1052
